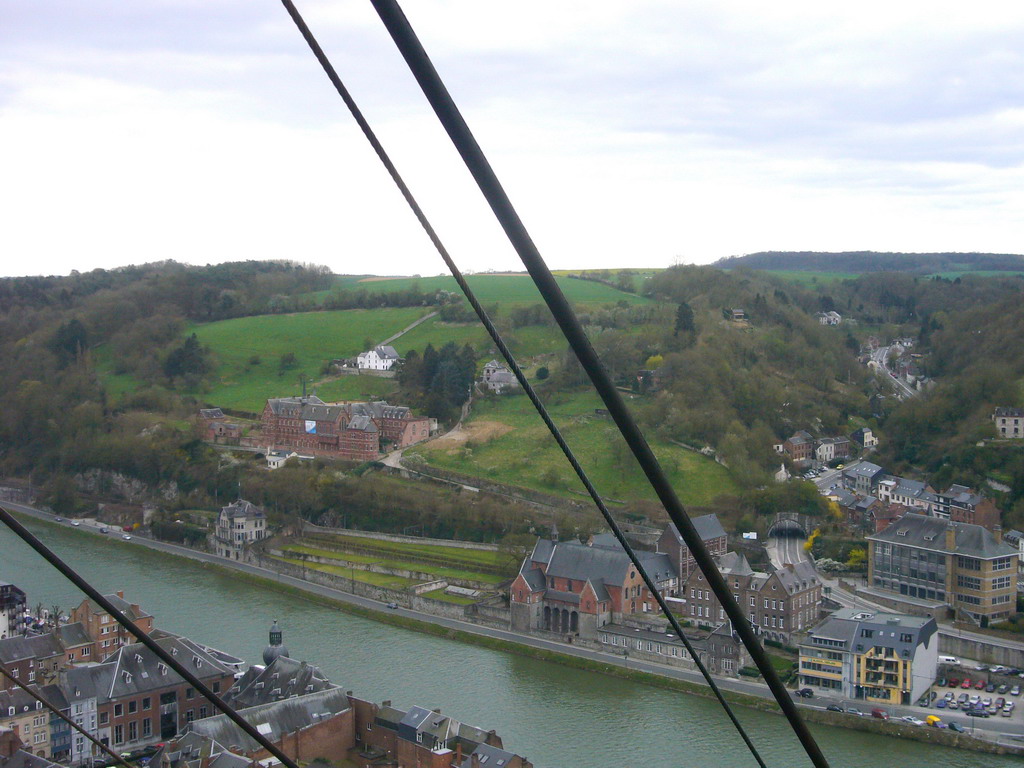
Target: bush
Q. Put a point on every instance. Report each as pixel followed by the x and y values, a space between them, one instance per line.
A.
pixel 749 672
pixel 542 373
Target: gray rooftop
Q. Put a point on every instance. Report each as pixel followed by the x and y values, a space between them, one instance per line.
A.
pixel 18 648
pixel 913 530
pixel 708 527
pixel 282 678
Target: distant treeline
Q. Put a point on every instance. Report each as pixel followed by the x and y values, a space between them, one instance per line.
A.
pixel 871 261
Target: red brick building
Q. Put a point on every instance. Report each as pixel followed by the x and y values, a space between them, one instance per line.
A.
pixel 100 626
pixel 711 533
pixel 354 431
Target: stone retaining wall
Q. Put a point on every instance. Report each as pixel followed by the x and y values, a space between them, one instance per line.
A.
pixel 399 539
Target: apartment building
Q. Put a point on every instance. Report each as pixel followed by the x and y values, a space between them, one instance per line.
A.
pixel 965 566
pixel 878 657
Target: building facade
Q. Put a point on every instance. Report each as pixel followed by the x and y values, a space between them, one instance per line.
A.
pixel 239 525
pixel 964 566
pixel 1009 422
pixel 380 358
pixel 881 658
pixel 671 543
pixel 103 630
pixel 12 608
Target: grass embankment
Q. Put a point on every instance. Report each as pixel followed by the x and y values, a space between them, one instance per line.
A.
pixel 522 453
pixel 427 554
pixel 441 572
pixel 365 577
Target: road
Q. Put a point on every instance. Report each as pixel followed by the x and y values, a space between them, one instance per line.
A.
pixel 880 358
pixel 786 549
pixel 993 728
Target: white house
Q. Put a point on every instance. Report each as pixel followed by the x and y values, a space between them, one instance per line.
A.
pixel 238 525
pixel 380 358
pixel 829 318
pixel 1009 422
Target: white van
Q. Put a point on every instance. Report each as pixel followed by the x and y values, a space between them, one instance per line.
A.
pixel 949 660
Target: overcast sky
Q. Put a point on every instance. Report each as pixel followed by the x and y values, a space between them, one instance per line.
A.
pixel 627 134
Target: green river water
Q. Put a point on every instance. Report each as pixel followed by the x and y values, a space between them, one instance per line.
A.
pixel 555 716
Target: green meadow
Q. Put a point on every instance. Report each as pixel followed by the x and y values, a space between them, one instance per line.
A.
pixel 521 452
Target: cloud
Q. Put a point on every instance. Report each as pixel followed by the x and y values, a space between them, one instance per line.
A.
pixel 625 133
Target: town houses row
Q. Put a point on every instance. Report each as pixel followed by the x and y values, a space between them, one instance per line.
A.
pixel 122 694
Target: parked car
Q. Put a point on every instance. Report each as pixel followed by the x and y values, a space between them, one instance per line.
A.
pixel 979 685
pixel 126 537
pixel 393 606
pixel 941 683
pixel 990 688
pixel 1015 691
pixel 977 713
pixel 962 698
pixel 966 683
pixel 956 727
pixel 953 705
pixel 954 682
pixel 941 704
pixel 58 519
pixel 986 702
pixel 103 530
pixel 855 711
pixel 834 708
pixel 999 669
pixel 1009 705
pixel 75 523
pixel 1007 713
pixel 806 693
pixel 1004 688
pixel 912 720
pixel 1000 702
pixel 879 714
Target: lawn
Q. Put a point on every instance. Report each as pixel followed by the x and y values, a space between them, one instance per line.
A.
pixel 248 353
pixel 522 453
pixel 438 571
pixel 440 594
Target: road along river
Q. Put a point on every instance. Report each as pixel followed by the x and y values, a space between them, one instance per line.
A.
pixel 557 716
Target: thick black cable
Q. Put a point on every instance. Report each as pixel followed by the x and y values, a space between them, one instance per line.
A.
pixel 520 376
pixel 124 763
pixel 25 535
pixel 465 143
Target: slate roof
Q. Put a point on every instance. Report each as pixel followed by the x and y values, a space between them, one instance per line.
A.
pixel 120 604
pixel 386 351
pixel 286 676
pixel 1009 413
pixel 18 699
pixel 362 424
pixel 801 577
pixel 81 683
pixel 533 576
pixel 573 560
pixel 243 509
pixel 277 718
pixel 73 635
pixel 1013 537
pixel 310 407
pixel 380 409
pixel 492 757
pixel 913 530
pixel 863 469
pixel 135 669
pixel 708 527
pixel 19 647
pixel 844 498
pixel 190 750
pixel 734 564
pixel 24 759
pixel 542 551
pixel 211 413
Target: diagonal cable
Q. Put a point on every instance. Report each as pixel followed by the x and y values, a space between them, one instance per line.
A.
pixel 124 763
pixel 25 535
pixel 465 143
pixel 514 366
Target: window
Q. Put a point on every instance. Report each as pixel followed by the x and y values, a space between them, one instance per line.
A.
pixel 118 710
pixel 753 601
pixel 766 602
pixel 133 731
pixel 1001 563
pixel 1001 582
pixel 147 728
pixel 118 734
pixel 204 712
pixel 190 693
pixel 133 707
pixel 190 715
pixel 104 718
pixel 868 633
pixel 216 686
pixel 146 703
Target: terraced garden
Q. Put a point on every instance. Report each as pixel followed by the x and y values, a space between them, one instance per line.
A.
pixel 441 572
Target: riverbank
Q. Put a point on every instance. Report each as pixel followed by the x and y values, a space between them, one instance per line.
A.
pixel 535 648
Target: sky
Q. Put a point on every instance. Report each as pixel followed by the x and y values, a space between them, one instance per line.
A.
pixel 629 134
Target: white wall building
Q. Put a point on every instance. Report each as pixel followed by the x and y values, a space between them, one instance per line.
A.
pixel 380 358
pixel 238 525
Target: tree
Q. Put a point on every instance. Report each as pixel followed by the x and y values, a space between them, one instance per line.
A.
pixel 542 373
pixel 187 360
pixel 684 319
pixel 70 341
pixel 286 362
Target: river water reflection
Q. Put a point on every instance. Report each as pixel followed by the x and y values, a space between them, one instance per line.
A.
pixel 555 716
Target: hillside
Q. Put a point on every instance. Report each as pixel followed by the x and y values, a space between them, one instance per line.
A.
pixel 860 262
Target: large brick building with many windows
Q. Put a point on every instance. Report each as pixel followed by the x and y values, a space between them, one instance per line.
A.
pixel 935 561
pixel 354 431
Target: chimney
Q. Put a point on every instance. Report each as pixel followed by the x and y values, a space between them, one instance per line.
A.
pixel 458 753
pixel 9 742
pixel 997 531
pixel 120 593
pixel 950 538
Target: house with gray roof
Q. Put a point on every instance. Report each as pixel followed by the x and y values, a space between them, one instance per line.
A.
pixel 240 524
pixel 711 533
pixel 498 378
pixel 862 477
pixel 874 656
pixel 923 563
pixel 571 589
pixel 283 678
pixel 14 753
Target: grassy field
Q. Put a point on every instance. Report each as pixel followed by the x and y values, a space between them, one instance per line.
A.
pixel 420 553
pixel 506 441
pixel 248 352
pixel 504 289
pixel 439 571
pixel 366 577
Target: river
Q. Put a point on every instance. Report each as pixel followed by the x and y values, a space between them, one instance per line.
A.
pixel 555 716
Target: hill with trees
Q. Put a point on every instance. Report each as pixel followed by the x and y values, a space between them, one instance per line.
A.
pixel 859 262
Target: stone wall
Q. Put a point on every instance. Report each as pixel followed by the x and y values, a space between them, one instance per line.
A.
pixel 488 486
pixel 995 651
